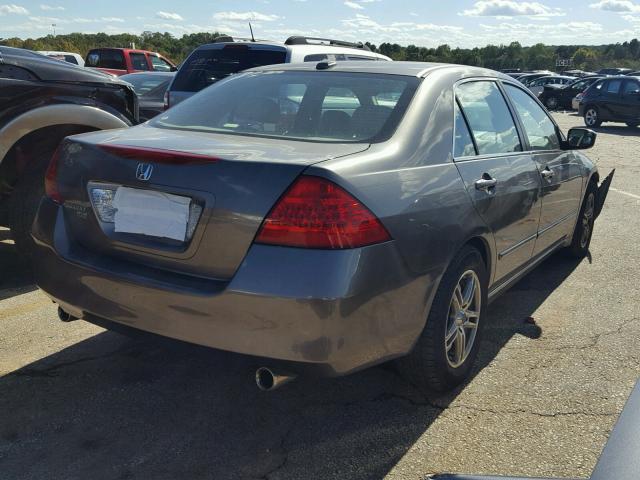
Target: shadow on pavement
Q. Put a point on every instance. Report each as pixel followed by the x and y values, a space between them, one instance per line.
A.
pixel 15 272
pixel 115 407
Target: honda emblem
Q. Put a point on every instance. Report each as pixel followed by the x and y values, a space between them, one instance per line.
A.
pixel 144 171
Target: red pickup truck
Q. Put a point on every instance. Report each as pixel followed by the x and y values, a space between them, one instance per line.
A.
pixel 119 61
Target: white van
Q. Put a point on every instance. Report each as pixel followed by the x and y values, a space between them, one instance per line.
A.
pixel 227 55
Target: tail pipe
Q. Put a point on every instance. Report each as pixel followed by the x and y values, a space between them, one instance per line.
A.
pixel 268 379
pixel 65 316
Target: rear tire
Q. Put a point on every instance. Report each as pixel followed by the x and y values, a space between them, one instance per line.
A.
pixel 440 361
pixel 592 117
pixel 583 231
pixel 23 205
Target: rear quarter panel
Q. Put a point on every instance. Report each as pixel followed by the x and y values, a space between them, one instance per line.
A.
pixel 413 186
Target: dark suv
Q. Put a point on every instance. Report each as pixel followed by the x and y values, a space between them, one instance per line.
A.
pixel 42 101
pixel 612 99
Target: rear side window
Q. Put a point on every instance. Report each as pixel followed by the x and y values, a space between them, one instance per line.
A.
pixel 631 87
pixel 207 66
pixel 139 61
pixel 113 59
pixel 613 86
pixel 71 59
pixel 540 130
pixel 489 118
pixel 312 106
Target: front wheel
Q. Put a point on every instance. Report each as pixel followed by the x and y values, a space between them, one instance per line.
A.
pixel 447 348
pixel 583 231
pixel 592 117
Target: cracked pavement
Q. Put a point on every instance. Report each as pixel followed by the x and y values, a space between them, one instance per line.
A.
pixel 558 360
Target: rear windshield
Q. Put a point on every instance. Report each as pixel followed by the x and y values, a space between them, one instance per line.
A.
pixel 316 106
pixel 206 66
pixel 106 59
pixel 145 83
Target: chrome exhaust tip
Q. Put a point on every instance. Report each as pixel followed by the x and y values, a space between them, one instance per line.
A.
pixel 268 380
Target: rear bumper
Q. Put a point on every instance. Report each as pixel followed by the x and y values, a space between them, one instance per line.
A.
pixel 340 310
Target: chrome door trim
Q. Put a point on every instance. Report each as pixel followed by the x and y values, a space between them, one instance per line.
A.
pixel 494 291
pixel 558 222
pixel 516 246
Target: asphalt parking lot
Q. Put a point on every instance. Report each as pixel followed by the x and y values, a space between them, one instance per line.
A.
pixel 559 358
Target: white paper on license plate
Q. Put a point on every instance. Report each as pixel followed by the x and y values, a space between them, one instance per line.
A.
pixel 152 213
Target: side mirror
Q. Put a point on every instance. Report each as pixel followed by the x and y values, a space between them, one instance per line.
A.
pixel 579 139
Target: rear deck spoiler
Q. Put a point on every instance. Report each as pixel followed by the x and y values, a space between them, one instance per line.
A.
pixel 620 459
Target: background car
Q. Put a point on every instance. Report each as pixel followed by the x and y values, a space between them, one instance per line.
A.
pixel 530 77
pixel 150 88
pixel 612 99
pixel 613 71
pixel 45 100
pixel 561 96
pixel 227 55
pixel 288 213
pixel 537 86
pixel 119 61
pixel 74 58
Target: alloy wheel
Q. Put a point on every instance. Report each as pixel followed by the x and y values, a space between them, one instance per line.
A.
pixel 463 319
pixel 552 102
pixel 591 117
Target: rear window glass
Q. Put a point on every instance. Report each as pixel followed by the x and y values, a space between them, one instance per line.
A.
pixel 207 66
pixel 144 83
pixel 113 59
pixel 344 107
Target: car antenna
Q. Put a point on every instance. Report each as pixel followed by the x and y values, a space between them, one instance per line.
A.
pixel 251 30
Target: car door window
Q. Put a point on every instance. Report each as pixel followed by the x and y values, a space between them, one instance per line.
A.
pixel 489 118
pixel 613 86
pixel 631 88
pixel 463 143
pixel 540 130
pixel 159 64
pixel 139 61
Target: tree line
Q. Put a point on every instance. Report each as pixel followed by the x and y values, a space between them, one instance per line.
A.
pixel 497 57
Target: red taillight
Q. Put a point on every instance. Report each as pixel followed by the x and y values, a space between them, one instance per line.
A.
pixel 51 178
pixel 317 213
pixel 157 155
pixel 167 100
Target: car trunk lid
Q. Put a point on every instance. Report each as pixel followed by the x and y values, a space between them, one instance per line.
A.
pixel 234 180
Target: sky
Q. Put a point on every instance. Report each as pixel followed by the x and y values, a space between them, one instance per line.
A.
pixel 459 23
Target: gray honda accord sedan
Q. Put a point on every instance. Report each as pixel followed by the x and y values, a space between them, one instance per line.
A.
pixel 326 216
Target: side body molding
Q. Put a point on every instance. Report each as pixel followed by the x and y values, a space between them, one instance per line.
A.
pixel 66 114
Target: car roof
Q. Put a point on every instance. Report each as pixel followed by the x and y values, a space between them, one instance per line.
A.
pixel 155 74
pixel 131 50
pixel 414 69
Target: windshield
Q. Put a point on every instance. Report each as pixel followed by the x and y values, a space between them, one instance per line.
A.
pixel 319 106
pixel 206 66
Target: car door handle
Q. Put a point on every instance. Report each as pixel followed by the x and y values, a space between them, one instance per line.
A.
pixel 485 183
pixel 547 173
